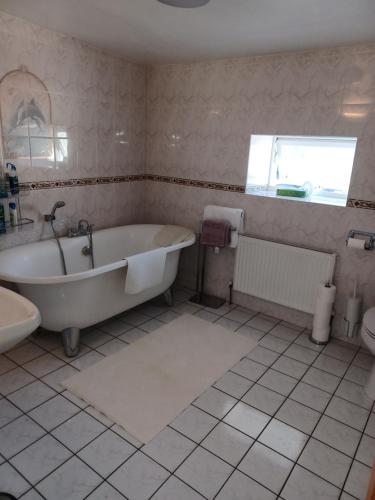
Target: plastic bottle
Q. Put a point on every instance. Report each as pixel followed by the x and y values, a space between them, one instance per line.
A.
pixel 2 220
pixel 13 213
pixel 13 178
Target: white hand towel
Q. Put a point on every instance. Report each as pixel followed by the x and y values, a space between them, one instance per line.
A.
pixel 234 215
pixel 145 270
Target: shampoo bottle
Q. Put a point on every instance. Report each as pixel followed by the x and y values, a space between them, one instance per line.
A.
pixel 13 214
pixel 12 178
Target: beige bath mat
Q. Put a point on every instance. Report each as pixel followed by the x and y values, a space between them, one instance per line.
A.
pixel 147 384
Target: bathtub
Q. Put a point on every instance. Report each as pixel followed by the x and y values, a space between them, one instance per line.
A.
pixel 87 296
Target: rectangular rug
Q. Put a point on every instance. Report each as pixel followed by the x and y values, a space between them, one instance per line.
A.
pixel 147 384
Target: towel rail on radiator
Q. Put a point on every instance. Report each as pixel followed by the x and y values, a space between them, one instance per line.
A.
pixel 284 274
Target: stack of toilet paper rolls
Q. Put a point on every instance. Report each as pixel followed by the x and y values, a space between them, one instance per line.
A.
pixel 323 313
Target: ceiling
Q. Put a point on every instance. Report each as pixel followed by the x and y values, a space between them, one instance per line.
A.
pixel 147 31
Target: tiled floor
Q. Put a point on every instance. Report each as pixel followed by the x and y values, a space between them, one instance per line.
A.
pixel 289 421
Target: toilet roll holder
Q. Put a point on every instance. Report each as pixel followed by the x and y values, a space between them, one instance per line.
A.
pixel 370 238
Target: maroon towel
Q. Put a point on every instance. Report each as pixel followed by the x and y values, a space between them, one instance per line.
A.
pixel 215 233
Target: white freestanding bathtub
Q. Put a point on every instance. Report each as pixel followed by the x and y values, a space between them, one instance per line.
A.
pixel 86 296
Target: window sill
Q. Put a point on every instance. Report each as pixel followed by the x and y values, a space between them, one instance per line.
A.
pixel 322 200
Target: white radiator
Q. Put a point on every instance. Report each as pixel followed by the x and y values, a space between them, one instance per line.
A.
pixel 284 274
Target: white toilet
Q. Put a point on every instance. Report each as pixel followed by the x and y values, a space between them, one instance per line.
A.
pixel 368 337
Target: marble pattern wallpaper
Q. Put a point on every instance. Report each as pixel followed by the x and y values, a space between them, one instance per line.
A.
pixel 199 121
pixel 150 127
pixel 97 130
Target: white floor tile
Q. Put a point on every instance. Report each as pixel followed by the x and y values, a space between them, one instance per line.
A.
pixel 336 350
pixel 132 335
pixel 337 435
pixel 11 481
pixel 13 380
pixel 274 343
pixel 322 380
pixel 87 360
pixel 263 322
pixel 250 332
pixel 194 423
pixel 111 347
pixel 106 453
pixel 31 395
pixel 25 352
pixel 93 337
pixel 249 369
pixel 298 415
pixel 228 324
pixel 263 399
pixel 54 412
pixel 310 396
pixel 240 315
pixel 331 365
pixel 78 431
pixel 304 341
pixel 357 375
pixel 358 480
pixel 247 419
pixel 305 485
pixel 139 477
pixel 8 412
pixel 19 434
pixel 233 384
pixel 347 413
pixel 215 402
pixel 105 492
pixel 284 332
pixel 174 489
pixel 370 427
pixel 241 487
pixel 278 382
pixel 283 439
pixel 262 355
pixel 169 448
pixel 354 393
pixel 290 367
pixel 300 353
pixel 43 365
pixel 73 480
pixel 204 472
pixel 266 466
pixel 325 462
pixel 41 458
pixel 6 364
pixel 366 451
pixel 227 443
pixel 55 378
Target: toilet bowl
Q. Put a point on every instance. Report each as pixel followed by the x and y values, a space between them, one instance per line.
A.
pixel 368 337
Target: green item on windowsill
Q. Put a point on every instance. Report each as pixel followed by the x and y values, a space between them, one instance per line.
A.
pixel 291 190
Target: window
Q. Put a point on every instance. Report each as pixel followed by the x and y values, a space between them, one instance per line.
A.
pixel 308 168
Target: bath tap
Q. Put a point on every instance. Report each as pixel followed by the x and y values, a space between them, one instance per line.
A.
pixel 84 228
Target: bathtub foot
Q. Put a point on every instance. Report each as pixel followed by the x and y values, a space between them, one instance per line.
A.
pixel 168 296
pixel 70 338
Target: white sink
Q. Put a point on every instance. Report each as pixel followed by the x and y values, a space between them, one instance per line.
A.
pixel 18 318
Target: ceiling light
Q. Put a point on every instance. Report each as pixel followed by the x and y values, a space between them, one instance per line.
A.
pixel 185 4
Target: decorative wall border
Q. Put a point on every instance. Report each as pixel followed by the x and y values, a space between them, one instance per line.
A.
pixel 218 186
pixel 353 203
pixel 92 181
pixel 87 181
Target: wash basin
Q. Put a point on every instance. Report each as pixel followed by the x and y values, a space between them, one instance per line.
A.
pixel 18 318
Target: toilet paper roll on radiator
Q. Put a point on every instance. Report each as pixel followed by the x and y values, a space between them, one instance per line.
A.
pixel 323 313
pixel 233 215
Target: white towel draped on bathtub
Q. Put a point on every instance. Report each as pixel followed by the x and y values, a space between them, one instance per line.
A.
pixel 145 270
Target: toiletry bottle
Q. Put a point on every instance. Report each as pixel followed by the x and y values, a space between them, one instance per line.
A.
pixel 13 179
pixel 2 220
pixel 13 213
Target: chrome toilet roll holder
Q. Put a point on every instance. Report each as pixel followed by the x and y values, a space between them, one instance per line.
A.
pixel 370 238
